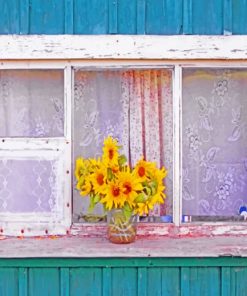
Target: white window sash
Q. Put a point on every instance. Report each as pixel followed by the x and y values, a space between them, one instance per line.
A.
pixel 65 51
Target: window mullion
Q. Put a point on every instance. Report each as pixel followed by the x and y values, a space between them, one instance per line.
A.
pixel 177 144
pixel 68 93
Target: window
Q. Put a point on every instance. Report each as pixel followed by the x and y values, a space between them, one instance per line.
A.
pixel 187 115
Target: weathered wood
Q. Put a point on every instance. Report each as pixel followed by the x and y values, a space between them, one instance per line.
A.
pixel 123 47
pixel 76 247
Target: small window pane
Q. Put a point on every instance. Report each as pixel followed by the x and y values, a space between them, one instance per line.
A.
pixel 134 106
pixel 28 185
pixel 214 122
pixel 31 103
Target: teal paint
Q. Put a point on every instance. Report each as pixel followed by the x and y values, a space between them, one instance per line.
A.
pixel 44 281
pixel 69 17
pixel 24 17
pixel 141 17
pixel 127 13
pixel 23 281
pixel 124 276
pixel 227 17
pixel 207 17
pixel 46 17
pixel 90 16
pixel 187 16
pixel 112 7
pixel 64 281
pixel 158 17
pixel 142 281
pixel 9 281
pixel 164 17
pixel 239 11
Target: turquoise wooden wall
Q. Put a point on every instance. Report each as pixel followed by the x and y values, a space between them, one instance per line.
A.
pixel 124 277
pixel 123 17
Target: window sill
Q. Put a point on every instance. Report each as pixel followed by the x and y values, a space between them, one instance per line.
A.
pixel 100 247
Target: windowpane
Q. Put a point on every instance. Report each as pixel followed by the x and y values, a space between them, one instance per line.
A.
pixel 28 185
pixel 31 103
pixel 134 106
pixel 214 120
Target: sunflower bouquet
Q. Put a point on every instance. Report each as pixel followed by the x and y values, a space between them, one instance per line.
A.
pixel 111 181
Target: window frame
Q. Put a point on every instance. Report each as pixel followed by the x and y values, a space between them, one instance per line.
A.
pixel 177 52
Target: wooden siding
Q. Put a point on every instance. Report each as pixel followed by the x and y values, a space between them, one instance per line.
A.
pixel 161 17
pixel 124 276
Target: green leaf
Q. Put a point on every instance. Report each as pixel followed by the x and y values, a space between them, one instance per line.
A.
pixel 153 185
pixel 96 198
pixel 140 198
pixel 91 204
pixel 127 210
pixel 110 174
pixel 122 160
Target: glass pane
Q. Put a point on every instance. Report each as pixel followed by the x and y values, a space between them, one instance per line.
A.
pixel 134 106
pixel 31 103
pixel 28 185
pixel 214 143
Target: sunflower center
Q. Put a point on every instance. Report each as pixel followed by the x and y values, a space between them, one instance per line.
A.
pixel 127 188
pixel 100 179
pixel 141 171
pixel 111 153
pixel 115 191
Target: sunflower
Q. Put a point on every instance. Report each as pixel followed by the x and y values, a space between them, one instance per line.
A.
pixel 98 179
pixel 143 168
pixel 130 185
pixel 79 168
pixel 110 152
pixel 84 186
pixel 114 197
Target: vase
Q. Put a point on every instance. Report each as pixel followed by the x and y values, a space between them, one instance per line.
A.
pixel 121 229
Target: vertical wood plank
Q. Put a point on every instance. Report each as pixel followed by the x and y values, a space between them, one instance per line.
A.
pixel 142 281
pixel 141 17
pixel 23 282
pixel 154 282
pixel 90 16
pixel 164 17
pixel 44 281
pixel 24 16
pixel 86 281
pixel 124 281
pixel 203 281
pixel 9 281
pixel 185 281
pixel 241 280
pixel 106 281
pixel 226 281
pixel 227 17
pixel 113 16
pixel 46 17
pixel 170 281
pixel 64 282
pixel 126 17
pixel 239 16
pixel 208 17
pixel 69 16
pixel 9 17
pixel 187 17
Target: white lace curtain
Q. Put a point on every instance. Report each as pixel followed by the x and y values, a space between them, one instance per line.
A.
pixel 214 141
pixel 134 106
pixel 31 105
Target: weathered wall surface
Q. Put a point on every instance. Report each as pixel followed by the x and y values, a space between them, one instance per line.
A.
pixel 162 17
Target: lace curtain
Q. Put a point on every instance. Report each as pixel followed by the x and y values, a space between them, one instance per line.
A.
pixel 31 105
pixel 214 141
pixel 134 106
